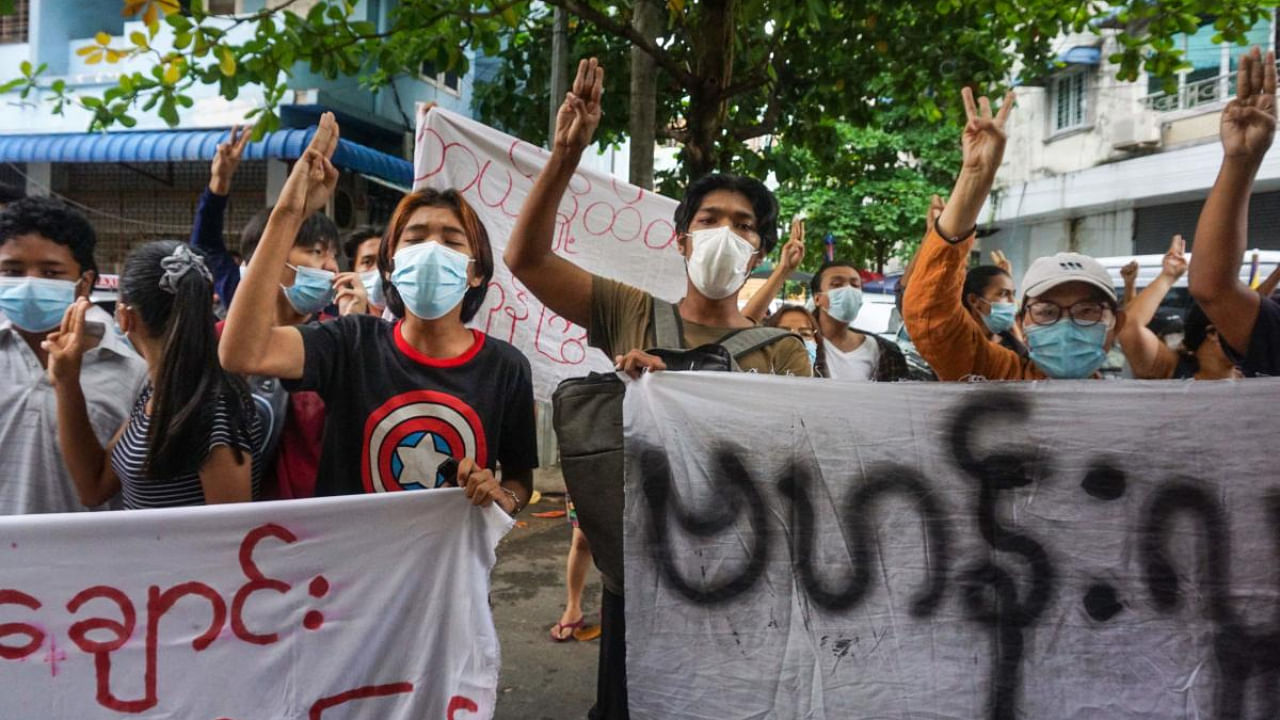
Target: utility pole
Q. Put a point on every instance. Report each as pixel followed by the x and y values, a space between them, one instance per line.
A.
pixel 559 69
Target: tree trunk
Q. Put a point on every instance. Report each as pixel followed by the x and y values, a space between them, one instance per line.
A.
pixel 649 20
pixel 713 41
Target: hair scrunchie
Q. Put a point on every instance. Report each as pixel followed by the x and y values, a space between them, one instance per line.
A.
pixel 178 263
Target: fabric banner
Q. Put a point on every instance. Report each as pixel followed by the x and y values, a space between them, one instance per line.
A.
pixel 334 608
pixel 809 549
pixel 606 226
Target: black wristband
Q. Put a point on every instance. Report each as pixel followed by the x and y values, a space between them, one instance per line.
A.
pixel 953 240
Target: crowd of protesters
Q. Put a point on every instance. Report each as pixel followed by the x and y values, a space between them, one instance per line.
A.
pixel 164 404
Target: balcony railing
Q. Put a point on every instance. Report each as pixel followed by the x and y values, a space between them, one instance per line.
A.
pixel 1209 91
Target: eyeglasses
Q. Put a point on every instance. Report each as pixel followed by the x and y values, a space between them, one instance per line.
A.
pixel 1084 313
pixel 806 333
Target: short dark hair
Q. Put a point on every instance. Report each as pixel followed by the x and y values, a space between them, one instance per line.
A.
pixel 354 238
pixel 55 220
pixel 11 193
pixel 316 230
pixel 763 204
pixel 815 282
pixel 472 227
pixel 978 279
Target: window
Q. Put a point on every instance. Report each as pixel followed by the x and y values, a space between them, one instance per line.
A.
pixel 13 27
pixel 448 81
pixel 220 7
pixel 1069 101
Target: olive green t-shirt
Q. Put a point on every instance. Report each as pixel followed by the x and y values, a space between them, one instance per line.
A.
pixel 622 321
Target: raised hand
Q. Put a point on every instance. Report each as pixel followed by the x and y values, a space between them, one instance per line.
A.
pixel 1249 121
pixel 313 178
pixel 351 298
pixel 936 206
pixel 227 159
pixel 66 345
pixel 793 252
pixel 983 140
pixel 999 260
pixel 1129 273
pixel 579 115
pixel 1174 264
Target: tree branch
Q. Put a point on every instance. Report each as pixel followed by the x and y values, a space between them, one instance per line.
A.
pixel 626 32
pixel 769 123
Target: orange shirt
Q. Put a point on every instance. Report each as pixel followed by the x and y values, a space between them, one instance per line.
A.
pixel 944 333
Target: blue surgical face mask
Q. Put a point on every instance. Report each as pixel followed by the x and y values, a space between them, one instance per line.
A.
pixel 1065 350
pixel 431 279
pixel 1001 317
pixel 812 346
pixel 35 304
pixel 311 291
pixel 372 281
pixel 845 302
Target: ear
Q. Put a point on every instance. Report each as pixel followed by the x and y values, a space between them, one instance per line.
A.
pixel 125 318
pixel 473 277
pixel 85 284
pixel 684 243
pixel 822 301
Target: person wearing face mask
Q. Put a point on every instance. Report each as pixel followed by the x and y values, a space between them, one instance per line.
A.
pixel 305 287
pixel 360 290
pixel 800 321
pixel 850 354
pixel 1069 315
pixel 1197 355
pixel 46 262
pixel 724 225
pixel 989 298
pixel 418 403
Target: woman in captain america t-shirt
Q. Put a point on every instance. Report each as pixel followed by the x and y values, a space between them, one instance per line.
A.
pixel 418 403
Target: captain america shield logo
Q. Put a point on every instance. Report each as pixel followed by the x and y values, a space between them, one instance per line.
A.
pixel 407 439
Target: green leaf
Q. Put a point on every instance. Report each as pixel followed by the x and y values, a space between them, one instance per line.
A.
pixel 12 84
pixel 168 112
pixel 25 67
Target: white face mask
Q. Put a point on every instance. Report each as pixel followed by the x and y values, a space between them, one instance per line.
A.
pixel 718 263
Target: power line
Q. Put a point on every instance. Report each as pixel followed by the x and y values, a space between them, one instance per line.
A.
pixel 95 211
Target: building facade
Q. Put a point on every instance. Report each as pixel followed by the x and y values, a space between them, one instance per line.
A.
pixel 1108 168
pixel 141 184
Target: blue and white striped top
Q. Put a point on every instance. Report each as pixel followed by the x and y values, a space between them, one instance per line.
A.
pixel 128 458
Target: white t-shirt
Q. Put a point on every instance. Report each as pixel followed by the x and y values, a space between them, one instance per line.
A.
pixel 858 365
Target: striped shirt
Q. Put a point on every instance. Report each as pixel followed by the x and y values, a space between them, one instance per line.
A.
pixel 128 458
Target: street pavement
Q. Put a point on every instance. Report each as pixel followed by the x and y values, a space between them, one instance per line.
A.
pixel 541 680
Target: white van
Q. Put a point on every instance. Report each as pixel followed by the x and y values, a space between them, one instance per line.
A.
pixel 1149 268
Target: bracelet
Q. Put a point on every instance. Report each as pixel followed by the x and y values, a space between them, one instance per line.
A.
pixel 953 240
pixel 514 499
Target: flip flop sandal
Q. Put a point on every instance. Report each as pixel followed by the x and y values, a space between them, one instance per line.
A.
pixel 572 627
pixel 587 633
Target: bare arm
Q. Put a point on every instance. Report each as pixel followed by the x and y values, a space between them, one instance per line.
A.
pixel 225 479
pixel 1268 286
pixel 250 343
pixel 1150 358
pixel 86 459
pixel 558 283
pixel 1248 127
pixel 788 260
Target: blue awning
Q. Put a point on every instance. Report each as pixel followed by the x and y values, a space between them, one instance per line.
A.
pixel 191 145
pixel 1082 55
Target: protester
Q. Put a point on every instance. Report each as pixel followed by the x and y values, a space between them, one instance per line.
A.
pixel 572 624
pixel 1248 322
pixel 1199 354
pixel 211 211
pixel 407 400
pixel 46 262
pixel 193 434
pixel 724 225
pixel 850 354
pixel 989 296
pixel 360 290
pixel 800 321
pixel 757 307
pixel 1069 314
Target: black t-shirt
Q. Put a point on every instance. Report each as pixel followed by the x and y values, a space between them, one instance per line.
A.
pixel 1263 357
pixel 394 414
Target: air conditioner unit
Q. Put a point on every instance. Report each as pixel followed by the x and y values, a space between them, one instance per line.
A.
pixel 1135 132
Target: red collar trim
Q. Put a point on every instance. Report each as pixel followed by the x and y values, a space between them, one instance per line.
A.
pixel 413 354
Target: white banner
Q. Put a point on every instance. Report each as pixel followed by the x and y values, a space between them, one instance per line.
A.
pixel 606 226
pixel 372 606
pixel 805 549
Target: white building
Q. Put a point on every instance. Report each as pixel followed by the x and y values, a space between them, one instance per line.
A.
pixel 1105 167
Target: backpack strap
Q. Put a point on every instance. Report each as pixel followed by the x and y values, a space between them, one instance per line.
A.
pixel 739 343
pixel 668 330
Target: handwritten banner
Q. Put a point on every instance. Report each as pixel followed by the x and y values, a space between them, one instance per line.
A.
pixel 334 608
pixel 1084 549
pixel 605 225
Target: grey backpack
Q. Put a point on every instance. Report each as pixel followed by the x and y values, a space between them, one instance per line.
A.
pixel 587 415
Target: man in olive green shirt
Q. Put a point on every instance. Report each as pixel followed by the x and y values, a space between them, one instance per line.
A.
pixel 724 226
